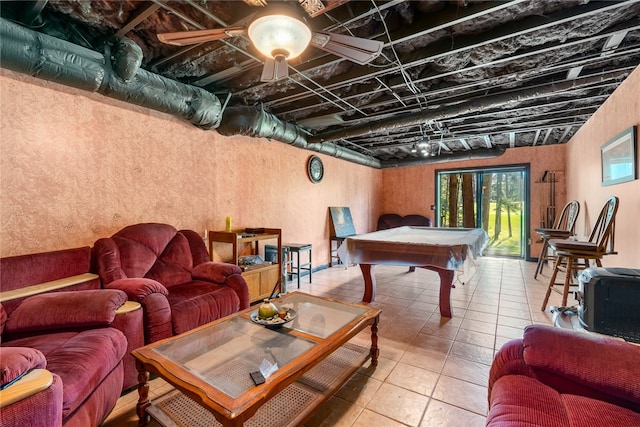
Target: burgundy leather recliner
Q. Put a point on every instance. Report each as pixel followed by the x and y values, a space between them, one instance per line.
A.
pixel 169 273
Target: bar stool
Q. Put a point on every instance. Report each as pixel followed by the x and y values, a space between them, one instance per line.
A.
pixel 296 249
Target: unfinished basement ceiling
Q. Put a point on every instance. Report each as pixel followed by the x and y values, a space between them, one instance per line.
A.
pixel 466 78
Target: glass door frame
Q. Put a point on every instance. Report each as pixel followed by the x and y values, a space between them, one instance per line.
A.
pixel 517 167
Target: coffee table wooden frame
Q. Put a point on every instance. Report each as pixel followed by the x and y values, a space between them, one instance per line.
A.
pixel 235 412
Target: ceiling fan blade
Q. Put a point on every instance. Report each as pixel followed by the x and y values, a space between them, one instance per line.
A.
pixel 356 49
pixel 184 38
pixel 274 69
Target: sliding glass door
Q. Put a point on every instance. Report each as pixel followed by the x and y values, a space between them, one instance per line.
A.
pixel 495 199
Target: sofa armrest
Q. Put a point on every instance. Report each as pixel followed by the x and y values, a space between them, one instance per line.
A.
pixel 597 362
pixel 508 361
pixel 216 272
pixel 63 310
pixel 224 274
pixel 137 289
pixel 34 400
pixel 156 311
pixel 27 385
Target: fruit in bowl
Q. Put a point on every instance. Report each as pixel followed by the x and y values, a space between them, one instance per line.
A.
pixel 267 309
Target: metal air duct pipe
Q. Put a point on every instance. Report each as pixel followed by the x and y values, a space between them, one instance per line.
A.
pixel 255 122
pixel 116 74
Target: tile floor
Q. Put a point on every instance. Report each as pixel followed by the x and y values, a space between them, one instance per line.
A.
pixel 432 371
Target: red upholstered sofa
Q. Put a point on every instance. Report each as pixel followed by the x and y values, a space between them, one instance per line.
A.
pixel 57 327
pixel 558 377
pixel 170 274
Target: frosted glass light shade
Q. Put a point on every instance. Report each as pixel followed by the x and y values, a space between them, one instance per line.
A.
pixel 279 34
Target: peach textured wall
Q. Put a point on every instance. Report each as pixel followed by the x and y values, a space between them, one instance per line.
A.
pixel 76 166
pixel 618 113
pixel 412 189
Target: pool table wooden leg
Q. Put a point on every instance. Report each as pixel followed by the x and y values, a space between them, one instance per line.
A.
pixel 369 282
pixel 446 283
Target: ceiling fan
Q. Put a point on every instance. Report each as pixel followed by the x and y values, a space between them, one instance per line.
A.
pixel 279 35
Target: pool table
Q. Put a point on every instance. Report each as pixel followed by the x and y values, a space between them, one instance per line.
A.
pixel 443 250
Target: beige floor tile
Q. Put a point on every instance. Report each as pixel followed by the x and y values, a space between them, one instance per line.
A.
pixel 398 404
pixel 478 326
pixel 462 394
pixel 516 313
pixel 413 378
pixel 513 322
pixel 483 307
pixel 466 370
pixel 359 389
pixel 508 331
pixel 381 371
pixel 392 349
pixel 335 413
pixel 481 317
pixel 369 418
pixel 432 343
pixel 440 414
pixel 424 358
pixel 472 352
pixel 476 338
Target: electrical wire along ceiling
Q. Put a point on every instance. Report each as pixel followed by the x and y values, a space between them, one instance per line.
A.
pixel 381 83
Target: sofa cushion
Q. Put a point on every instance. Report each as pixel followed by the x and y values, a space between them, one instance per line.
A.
pixel 24 270
pixel 196 303
pixel 81 359
pixel 155 251
pixel 553 351
pixel 599 413
pixel 17 361
pixel 60 310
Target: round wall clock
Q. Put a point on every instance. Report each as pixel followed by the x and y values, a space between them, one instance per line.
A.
pixel 315 169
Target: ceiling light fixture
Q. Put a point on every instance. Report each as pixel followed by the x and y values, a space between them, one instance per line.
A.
pixel 275 35
pixel 278 37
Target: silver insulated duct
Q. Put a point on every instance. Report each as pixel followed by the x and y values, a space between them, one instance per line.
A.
pixel 255 122
pixel 115 74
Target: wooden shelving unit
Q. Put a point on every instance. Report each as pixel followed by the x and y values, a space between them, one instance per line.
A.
pixel 260 279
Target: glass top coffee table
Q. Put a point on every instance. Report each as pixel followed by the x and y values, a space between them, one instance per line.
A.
pixel 210 367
